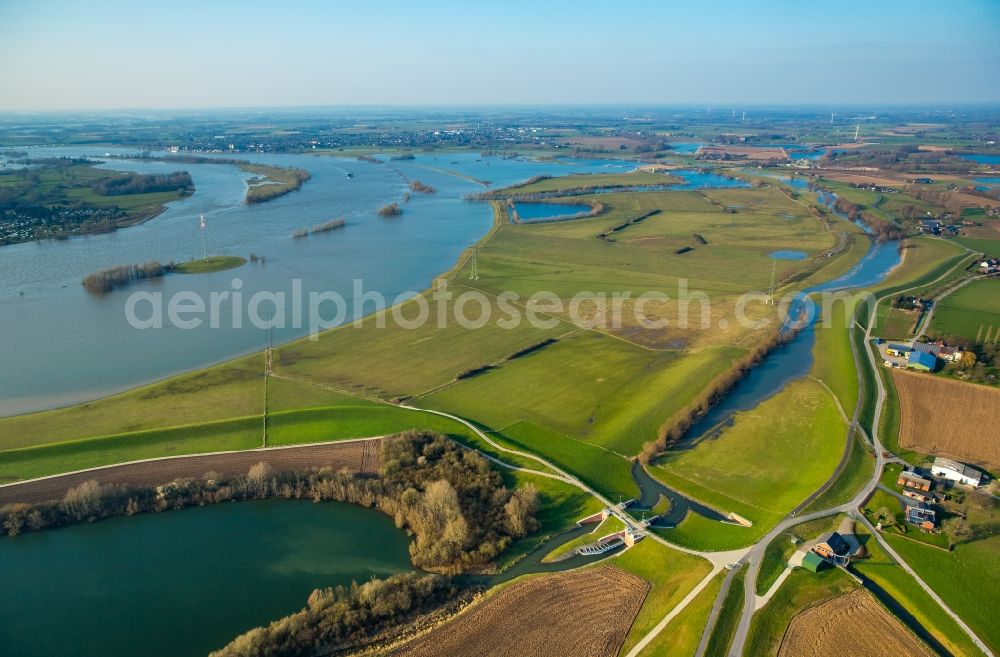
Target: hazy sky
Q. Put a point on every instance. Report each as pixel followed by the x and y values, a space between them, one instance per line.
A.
pixel 149 54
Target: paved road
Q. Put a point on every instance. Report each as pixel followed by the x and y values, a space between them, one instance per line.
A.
pixel 756 553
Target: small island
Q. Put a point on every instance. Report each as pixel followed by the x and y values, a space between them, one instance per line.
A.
pixel 391 210
pixel 209 265
pixel 417 186
pixel 324 227
pixel 106 280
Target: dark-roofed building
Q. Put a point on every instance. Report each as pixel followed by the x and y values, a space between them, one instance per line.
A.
pixel 898 349
pixel 831 545
pixel 922 516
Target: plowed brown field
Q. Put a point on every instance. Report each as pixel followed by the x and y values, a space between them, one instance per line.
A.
pixel 850 624
pixel 575 614
pixel 950 418
pixel 359 456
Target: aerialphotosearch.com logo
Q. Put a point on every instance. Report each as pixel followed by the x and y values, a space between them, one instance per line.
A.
pixel 318 311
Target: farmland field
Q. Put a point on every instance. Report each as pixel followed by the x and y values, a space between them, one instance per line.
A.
pixel 356 455
pixel 972 312
pixel 801 590
pixel 961 432
pixel 573 614
pixel 847 624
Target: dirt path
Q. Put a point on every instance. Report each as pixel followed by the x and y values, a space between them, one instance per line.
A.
pixel 359 455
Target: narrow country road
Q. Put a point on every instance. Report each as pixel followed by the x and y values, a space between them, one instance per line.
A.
pixel 755 555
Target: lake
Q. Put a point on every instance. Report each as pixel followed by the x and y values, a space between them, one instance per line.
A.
pixel 183 583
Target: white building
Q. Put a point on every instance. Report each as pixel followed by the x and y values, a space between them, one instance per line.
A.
pixel 955 471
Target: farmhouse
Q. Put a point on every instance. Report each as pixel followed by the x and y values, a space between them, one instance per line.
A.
pixel 831 545
pixel 899 350
pixel 927 498
pixel 922 361
pixel 955 471
pixel 913 480
pixel 923 516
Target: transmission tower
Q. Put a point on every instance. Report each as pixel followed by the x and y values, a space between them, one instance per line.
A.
pixel 770 290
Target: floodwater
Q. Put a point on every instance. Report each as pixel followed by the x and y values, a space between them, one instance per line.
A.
pixel 63 345
pixel 183 583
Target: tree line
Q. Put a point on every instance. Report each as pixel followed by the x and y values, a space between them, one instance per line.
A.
pixel 140 183
pixel 105 280
pixel 881 229
pixel 344 617
pixel 674 429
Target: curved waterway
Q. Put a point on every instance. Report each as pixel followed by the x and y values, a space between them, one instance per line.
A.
pixel 183 583
pixel 785 364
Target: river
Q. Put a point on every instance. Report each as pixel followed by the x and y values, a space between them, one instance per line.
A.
pixel 183 583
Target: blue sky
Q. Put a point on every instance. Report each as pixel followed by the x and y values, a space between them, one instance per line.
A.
pixel 98 55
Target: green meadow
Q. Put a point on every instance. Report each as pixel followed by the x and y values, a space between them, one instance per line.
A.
pixel 969 312
pixel 761 467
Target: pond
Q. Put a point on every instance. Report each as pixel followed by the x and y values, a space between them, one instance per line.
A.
pixel 787 255
pixel 183 583
pixel 982 158
pixel 533 212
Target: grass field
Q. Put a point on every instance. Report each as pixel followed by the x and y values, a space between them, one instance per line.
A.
pixel 671 574
pixel 681 636
pixel 210 264
pixel 588 386
pixel 605 471
pixel 857 472
pixel 833 360
pixel 756 467
pixel 970 566
pixel 729 616
pixel 969 312
pixel 990 247
pixel 235 389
